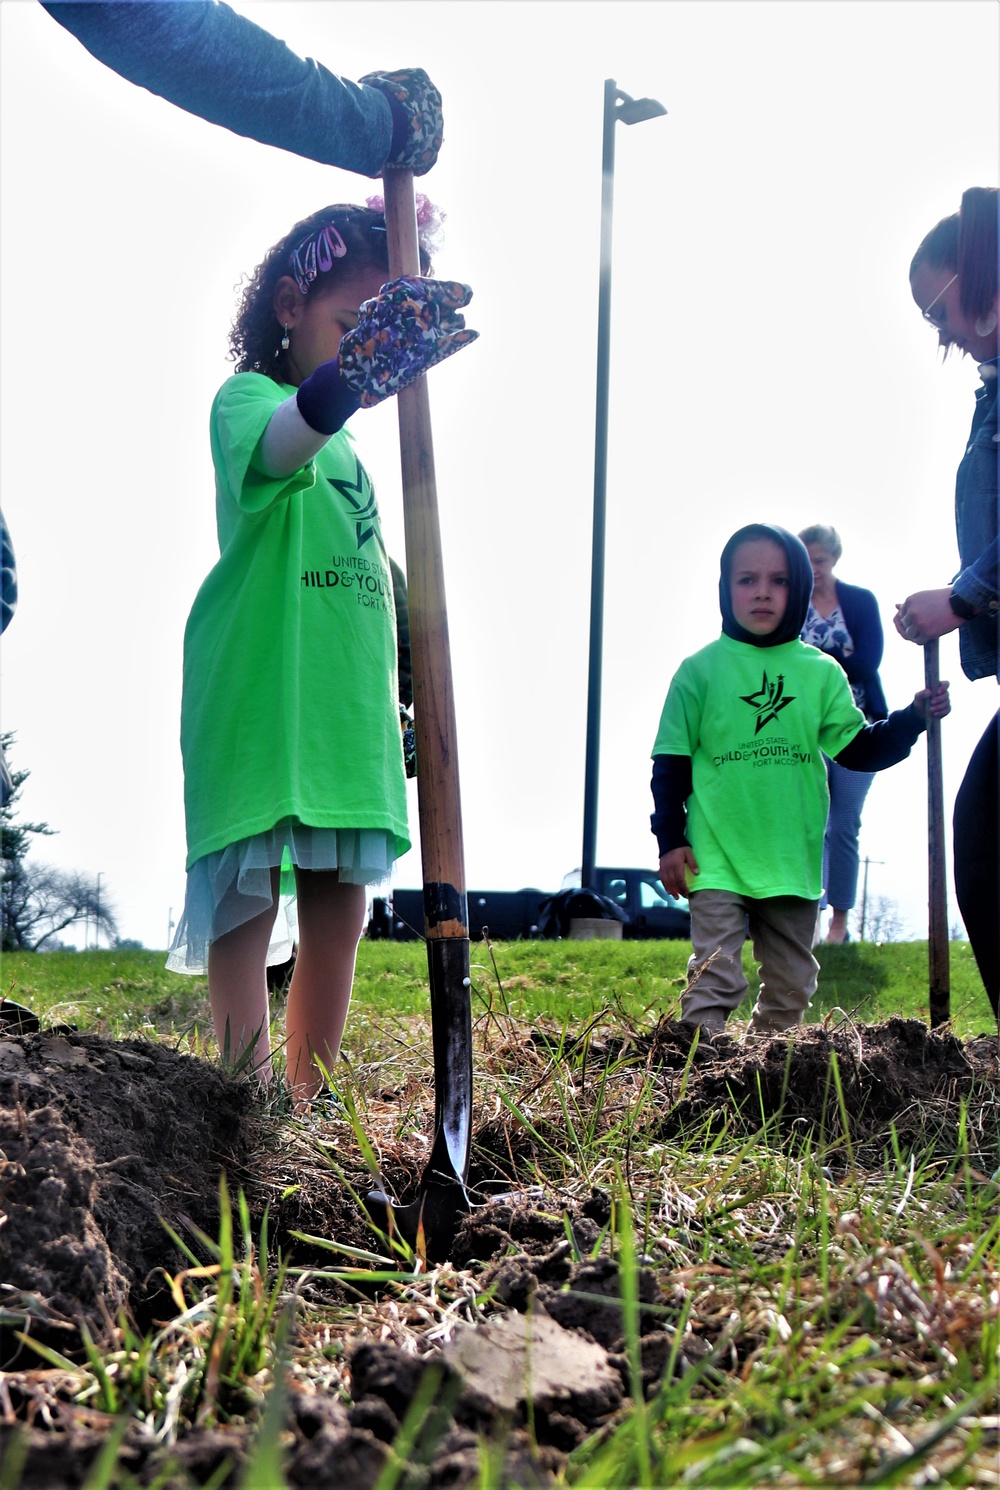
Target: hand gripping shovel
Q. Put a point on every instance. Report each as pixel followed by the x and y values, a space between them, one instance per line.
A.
pixel 939 997
pixel 442 1198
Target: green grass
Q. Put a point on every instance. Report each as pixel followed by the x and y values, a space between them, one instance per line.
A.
pixel 124 993
pixel 828 1324
pixel 117 993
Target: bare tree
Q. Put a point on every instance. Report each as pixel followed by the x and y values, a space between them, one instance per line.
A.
pixel 37 902
pixel 49 900
pixel 883 922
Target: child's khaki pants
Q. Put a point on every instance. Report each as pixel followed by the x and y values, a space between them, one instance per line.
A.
pixel 781 929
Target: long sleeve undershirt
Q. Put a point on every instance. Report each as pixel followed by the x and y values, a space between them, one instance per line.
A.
pixel 874 748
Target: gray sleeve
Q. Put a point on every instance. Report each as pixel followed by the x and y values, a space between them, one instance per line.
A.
pixel 288 442
pixel 213 62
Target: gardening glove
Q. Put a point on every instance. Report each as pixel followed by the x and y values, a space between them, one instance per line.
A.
pixel 417 122
pixel 409 742
pixel 410 325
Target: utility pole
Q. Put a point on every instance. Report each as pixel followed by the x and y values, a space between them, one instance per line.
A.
pixel 864 896
pixel 617 106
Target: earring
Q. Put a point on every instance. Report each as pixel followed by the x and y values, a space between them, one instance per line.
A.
pixel 284 339
pixel 986 325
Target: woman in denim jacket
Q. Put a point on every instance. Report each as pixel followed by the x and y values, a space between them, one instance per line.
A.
pixel 953 279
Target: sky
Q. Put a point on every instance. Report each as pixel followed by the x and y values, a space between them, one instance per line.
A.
pixel 768 364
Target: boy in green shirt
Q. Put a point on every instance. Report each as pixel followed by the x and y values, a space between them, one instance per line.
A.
pixel 739 782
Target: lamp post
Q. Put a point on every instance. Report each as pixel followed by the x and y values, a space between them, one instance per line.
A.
pixel 617 105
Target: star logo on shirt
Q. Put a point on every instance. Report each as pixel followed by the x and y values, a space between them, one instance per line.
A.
pixel 769 700
pixel 361 499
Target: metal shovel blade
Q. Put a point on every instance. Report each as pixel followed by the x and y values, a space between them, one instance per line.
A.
pixel 442 1199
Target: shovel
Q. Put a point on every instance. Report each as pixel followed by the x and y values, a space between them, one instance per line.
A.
pixel 442 1198
pixel 937 894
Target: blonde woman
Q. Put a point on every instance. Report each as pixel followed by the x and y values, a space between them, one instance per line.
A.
pixel 843 620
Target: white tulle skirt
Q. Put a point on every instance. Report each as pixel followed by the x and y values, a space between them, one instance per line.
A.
pixel 232 885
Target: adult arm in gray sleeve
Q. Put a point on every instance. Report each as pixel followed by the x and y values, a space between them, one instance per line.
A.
pixel 213 62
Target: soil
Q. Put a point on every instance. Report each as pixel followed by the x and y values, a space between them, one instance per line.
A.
pixel 101 1142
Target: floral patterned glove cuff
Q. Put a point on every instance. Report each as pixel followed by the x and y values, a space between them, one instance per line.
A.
pixel 416 96
pixel 410 325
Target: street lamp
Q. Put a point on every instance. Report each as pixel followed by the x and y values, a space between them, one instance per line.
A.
pixel 617 105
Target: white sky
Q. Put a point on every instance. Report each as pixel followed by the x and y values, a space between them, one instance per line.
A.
pixel 768 364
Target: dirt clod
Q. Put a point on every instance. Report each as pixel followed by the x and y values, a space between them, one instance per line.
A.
pixel 504 1360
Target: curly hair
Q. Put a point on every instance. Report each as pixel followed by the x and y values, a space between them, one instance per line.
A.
pixel 255 337
pixel 966 244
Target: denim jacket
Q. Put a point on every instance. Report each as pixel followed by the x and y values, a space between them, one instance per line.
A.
pixel 214 62
pixel 976 503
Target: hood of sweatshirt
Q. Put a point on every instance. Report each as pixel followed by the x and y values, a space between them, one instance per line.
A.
pixel 799 590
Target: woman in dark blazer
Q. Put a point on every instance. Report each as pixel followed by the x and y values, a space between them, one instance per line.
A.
pixel 844 621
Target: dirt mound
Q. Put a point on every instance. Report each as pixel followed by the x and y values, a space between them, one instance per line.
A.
pixel 99 1140
pixel 843 1086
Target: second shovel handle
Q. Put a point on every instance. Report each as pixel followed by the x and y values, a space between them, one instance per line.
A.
pixel 939 970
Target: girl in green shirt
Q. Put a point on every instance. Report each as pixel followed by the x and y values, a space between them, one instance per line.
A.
pixel 290 731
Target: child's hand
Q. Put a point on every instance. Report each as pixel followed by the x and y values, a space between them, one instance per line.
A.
pixel 933 703
pixel 412 324
pixel 674 869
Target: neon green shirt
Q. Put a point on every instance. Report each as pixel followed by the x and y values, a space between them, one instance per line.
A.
pixel 754 721
pixel 289 707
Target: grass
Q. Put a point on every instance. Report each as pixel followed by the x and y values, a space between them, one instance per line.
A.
pixel 820 1322
pixel 123 993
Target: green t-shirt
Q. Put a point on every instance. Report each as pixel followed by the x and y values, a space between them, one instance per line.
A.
pixel 289 706
pixel 754 721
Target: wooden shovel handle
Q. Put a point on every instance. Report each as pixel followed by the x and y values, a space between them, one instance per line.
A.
pixel 438 794
pixel 446 916
pixel 937 889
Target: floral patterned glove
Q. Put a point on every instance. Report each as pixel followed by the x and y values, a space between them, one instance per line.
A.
pixel 410 325
pixel 409 743
pixel 418 124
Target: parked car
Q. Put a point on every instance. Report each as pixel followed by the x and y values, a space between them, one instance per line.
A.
pixel 636 896
pixel 649 910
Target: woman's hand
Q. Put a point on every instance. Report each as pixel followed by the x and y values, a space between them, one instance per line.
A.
pixel 418 128
pixel 674 867
pixel 925 615
pixel 933 703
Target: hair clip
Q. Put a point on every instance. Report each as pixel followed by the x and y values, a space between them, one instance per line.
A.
pixel 430 221
pixel 315 255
